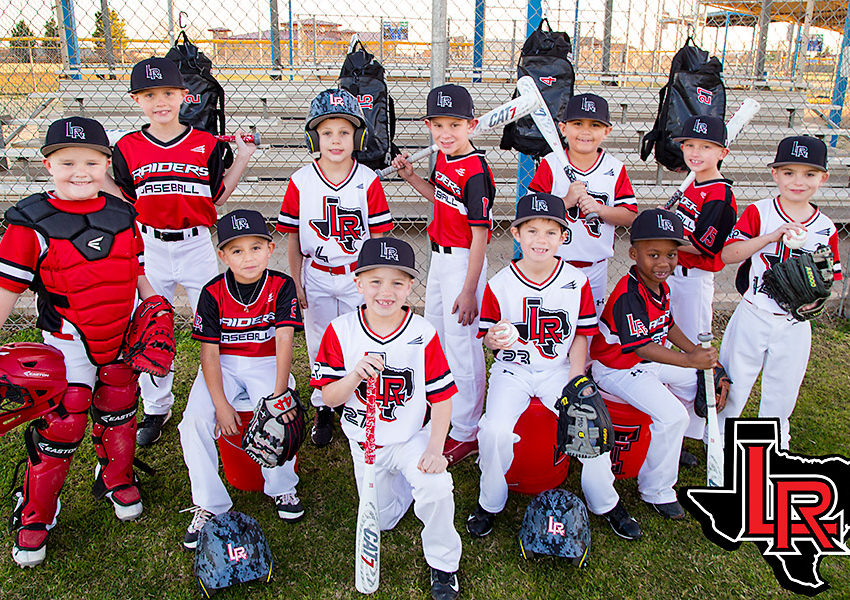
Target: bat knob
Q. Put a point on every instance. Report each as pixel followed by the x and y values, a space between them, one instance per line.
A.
pixel 705 337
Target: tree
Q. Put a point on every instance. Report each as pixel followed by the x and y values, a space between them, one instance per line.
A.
pixel 51 32
pixel 118 30
pixel 23 42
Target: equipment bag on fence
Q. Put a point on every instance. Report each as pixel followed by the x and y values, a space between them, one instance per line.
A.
pixel 363 77
pixel 695 87
pixel 545 56
pixel 204 104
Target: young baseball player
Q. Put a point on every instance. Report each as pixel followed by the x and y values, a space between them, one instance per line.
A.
pixel 331 206
pixel 761 336
pixel 245 321
pixel 384 338
pixel 602 186
pixel 80 251
pixel 462 189
pixel 175 176
pixel 631 360
pixel 708 213
pixel 550 303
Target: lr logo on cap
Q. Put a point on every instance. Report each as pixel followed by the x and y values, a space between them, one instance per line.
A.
pixel 336 100
pixel 444 100
pixel 539 205
pixel 153 72
pixel 588 105
pixel 799 150
pixel 664 224
pixel 388 252
pixel 75 132
pixel 700 127
pixel 240 223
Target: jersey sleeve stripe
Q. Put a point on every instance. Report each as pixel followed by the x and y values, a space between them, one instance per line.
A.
pixel 324 373
pixel 15 271
pixel 287 222
pixel 297 325
pixel 204 338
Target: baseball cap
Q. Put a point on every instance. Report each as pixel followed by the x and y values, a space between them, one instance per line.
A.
pixel 801 150
pixel 538 205
pixel 386 252
pixel 584 106
pixel 155 72
pixel 76 132
pixel 240 223
pixel 703 127
pixel 450 100
pixel 657 224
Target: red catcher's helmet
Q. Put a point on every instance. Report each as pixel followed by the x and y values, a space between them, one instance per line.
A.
pixel 32 382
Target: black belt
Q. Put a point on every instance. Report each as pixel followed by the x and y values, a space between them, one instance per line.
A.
pixel 440 249
pixel 170 236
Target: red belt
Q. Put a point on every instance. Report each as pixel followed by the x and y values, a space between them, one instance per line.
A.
pixel 349 268
pixel 581 264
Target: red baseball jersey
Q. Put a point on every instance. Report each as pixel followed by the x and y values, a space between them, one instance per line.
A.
pixel 608 183
pixel 174 184
pixel 333 220
pixel 464 192
pixel 633 316
pixel 708 212
pixel 415 374
pixel 548 314
pixel 242 318
pixel 766 216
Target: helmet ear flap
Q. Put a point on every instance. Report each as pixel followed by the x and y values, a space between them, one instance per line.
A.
pixel 311 138
pixel 361 136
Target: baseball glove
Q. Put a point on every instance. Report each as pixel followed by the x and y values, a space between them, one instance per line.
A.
pixel 721 391
pixel 802 283
pixel 267 439
pixel 584 425
pixel 149 345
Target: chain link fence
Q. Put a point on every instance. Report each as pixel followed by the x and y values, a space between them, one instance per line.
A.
pixel 74 57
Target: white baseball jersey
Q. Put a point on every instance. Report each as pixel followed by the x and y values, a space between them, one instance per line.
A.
pixel 608 183
pixel 548 314
pixel 415 374
pixel 766 216
pixel 333 220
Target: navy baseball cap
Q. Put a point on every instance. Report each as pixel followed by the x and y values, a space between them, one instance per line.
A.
pixel 703 127
pixel 155 72
pixel 76 132
pixel 801 150
pixel 450 100
pixel 657 224
pixel 386 252
pixel 241 223
pixel 584 106
pixel 538 205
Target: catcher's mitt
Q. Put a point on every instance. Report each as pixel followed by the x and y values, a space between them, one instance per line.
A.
pixel 149 345
pixel 802 283
pixel 584 425
pixel 267 439
pixel 721 391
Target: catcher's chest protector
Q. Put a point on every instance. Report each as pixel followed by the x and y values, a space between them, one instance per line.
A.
pixel 90 271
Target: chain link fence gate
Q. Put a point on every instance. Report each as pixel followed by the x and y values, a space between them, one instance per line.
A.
pixel 67 57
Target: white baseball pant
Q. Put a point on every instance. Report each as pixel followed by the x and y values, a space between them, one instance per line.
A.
pixel 509 395
pixel 245 380
pixel 399 483
pixel 78 368
pixel 775 345
pixel 663 392
pixel 464 351
pixel 597 277
pixel 328 296
pixel 191 263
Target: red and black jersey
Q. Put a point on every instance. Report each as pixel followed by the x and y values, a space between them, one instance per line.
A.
pixel 464 192
pixel 242 318
pixel 708 212
pixel 83 260
pixel 173 184
pixel 633 316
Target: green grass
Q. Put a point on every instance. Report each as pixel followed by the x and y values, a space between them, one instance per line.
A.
pixel 92 555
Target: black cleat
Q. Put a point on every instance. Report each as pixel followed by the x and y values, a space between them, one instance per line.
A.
pixel 686 459
pixel 150 429
pixel 322 433
pixel 480 523
pixel 444 586
pixel 622 522
pixel 670 510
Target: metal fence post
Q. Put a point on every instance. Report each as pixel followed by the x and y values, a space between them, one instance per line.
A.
pixel 106 21
pixel 169 9
pixel 478 41
pixel 439 42
pixel 839 89
pixel 274 34
pixel 759 72
pixel 68 41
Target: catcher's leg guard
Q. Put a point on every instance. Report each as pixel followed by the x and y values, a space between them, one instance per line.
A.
pixel 114 435
pixel 51 443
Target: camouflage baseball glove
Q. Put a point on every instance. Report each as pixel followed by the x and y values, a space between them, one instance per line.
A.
pixel 802 283
pixel 584 425
pixel 149 345
pixel 268 439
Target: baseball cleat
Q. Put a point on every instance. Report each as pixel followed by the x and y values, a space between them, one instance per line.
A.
pixel 200 517
pixel 444 586
pixel 670 510
pixel 125 512
pixel 456 451
pixel 480 523
pixel 686 459
pixel 28 558
pixel 289 507
pixel 322 433
pixel 150 429
pixel 622 522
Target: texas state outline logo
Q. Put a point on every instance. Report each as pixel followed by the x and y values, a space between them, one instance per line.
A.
pixel 792 507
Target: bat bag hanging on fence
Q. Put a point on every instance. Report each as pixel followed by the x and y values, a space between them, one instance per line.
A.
pixel 695 87
pixel 363 77
pixel 204 105
pixel 545 56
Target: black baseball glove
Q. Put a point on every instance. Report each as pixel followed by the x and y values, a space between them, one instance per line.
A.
pixel 802 283
pixel 268 439
pixel 722 383
pixel 584 425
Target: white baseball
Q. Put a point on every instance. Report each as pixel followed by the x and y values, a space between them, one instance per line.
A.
pixel 508 334
pixel 793 239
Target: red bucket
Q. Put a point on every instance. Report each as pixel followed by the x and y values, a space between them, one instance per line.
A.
pixel 631 438
pixel 240 470
pixel 536 467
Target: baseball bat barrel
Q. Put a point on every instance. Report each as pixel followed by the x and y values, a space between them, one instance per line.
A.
pixel 248 138
pixel 714 449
